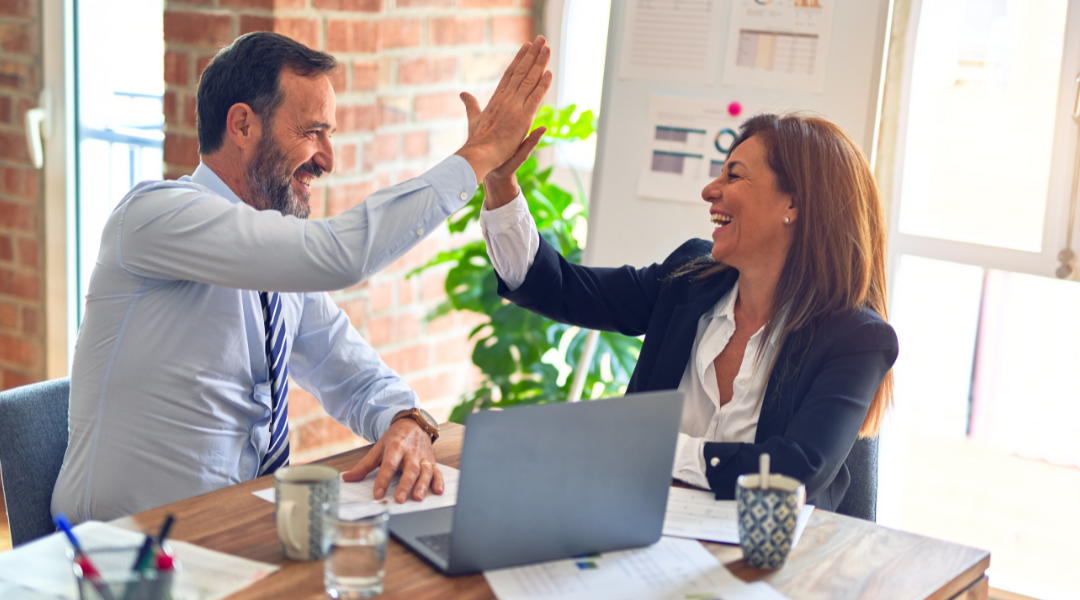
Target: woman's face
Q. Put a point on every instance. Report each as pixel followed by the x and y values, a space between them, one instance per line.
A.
pixel 748 209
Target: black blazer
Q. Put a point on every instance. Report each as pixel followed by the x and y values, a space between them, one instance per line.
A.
pixel 817 396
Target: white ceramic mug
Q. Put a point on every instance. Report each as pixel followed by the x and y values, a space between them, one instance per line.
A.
pixel 306 497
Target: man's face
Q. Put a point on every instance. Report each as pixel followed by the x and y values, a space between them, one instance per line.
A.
pixel 294 149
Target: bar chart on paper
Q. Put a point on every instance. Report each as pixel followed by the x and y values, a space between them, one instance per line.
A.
pixel 777 51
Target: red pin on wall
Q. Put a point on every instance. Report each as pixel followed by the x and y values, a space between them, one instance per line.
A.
pixel 734 109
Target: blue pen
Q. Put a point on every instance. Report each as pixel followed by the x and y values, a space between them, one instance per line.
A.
pixel 90 571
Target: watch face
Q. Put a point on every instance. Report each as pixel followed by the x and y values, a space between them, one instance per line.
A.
pixel 430 420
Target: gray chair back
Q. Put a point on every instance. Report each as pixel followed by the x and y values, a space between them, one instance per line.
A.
pixel 33 440
pixel 861 497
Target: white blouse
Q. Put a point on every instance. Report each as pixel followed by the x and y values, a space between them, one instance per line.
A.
pixel 512 244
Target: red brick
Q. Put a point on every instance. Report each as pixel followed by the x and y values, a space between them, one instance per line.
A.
pixel 16 216
pixel 367 157
pixel 13 147
pixel 15 8
pixel 416 144
pixel 181 150
pixel 415 3
pixel 188 112
pixel 16 38
pixel 31 185
pixel 200 65
pixel 264 4
pixel 456 31
pixel 381 295
pixel 12 181
pixel 365 76
pixel 14 379
pixel 17 75
pixel 200 29
pixel 427 70
pixel 29 253
pixel 406 292
pixel 305 31
pixel 31 321
pixel 349 5
pixel 484 68
pixel 169 108
pixel 511 30
pixel 393 110
pixel 18 351
pixel 454 350
pixel 316 433
pixel 394 328
pixel 408 359
pixel 345 158
pixel 7 249
pixel 301 403
pixel 342 197
pixel 339 79
pixel 176 67
pixel 485 3
pixel 444 105
pixel 386 147
pixel 356 309
pixel 5 109
pixel 435 387
pixel 356 118
pixel 432 286
pixel 399 33
pixel 20 285
pixel 351 36
pixel 9 315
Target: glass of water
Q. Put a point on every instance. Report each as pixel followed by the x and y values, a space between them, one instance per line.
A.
pixel 354 567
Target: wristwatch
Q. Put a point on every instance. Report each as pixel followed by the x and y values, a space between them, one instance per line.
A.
pixel 423 419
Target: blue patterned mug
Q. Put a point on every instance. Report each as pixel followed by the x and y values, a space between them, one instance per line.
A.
pixel 306 498
pixel 767 518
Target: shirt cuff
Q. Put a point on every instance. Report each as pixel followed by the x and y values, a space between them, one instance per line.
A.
pixel 512 240
pixel 690 461
pixel 382 422
pixel 452 179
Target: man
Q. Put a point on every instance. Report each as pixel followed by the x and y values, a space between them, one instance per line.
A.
pixel 210 291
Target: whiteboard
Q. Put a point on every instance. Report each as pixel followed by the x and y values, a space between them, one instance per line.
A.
pixel 625 228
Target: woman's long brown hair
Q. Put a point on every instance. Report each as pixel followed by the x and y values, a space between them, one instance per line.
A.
pixel 836 262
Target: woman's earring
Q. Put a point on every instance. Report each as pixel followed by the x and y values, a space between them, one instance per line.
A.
pixel 787 220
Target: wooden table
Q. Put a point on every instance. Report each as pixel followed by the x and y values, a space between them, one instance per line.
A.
pixel 838 557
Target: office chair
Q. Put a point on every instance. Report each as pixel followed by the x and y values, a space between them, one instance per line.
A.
pixel 33 440
pixel 861 498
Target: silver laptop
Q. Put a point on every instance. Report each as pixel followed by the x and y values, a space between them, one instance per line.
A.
pixel 553 481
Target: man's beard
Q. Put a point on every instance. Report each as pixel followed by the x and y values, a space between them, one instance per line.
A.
pixel 270 181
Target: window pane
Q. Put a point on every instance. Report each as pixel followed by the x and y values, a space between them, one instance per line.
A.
pixel 983 98
pixel 119 112
pixel 584 46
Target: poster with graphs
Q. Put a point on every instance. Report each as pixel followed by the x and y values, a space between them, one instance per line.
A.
pixel 779 44
pixel 687 141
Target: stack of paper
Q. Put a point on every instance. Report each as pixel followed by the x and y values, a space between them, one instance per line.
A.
pixel 696 514
pixel 42 569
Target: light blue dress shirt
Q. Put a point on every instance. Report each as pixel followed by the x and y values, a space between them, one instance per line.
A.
pixel 169 387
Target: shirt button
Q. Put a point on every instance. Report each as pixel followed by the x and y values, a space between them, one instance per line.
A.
pixel 420 231
pixel 715 461
pixel 464 196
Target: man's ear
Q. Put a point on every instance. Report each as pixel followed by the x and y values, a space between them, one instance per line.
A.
pixel 243 126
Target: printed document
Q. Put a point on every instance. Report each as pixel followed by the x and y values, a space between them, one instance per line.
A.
pixel 697 514
pixel 779 45
pixel 671 40
pixel 355 498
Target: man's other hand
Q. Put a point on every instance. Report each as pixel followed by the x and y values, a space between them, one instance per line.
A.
pixel 497 132
pixel 407 447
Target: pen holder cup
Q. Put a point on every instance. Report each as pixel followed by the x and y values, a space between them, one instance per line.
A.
pixel 116 580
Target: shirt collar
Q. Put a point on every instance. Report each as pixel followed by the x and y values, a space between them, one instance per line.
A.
pixel 206 177
pixel 725 309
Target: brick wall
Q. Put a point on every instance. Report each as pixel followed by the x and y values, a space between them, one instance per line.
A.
pixel 398 113
pixel 22 330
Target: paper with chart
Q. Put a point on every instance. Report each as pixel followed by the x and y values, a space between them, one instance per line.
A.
pixel 671 569
pixel 42 567
pixel 697 514
pixel 779 44
pixel 671 40
pixel 687 142
pixel 355 498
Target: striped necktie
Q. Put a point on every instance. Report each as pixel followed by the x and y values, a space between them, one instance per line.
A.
pixel 277 455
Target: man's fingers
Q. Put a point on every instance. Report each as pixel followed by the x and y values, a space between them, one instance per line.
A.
pixel 409 474
pixel 532 103
pixel 391 461
pixel 535 75
pixel 472 106
pixel 509 72
pixel 365 465
pixel 437 484
pixel 527 146
pixel 525 65
pixel 427 470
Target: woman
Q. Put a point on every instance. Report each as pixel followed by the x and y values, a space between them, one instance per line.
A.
pixel 776 332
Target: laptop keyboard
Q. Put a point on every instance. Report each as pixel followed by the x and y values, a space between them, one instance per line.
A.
pixel 439 543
